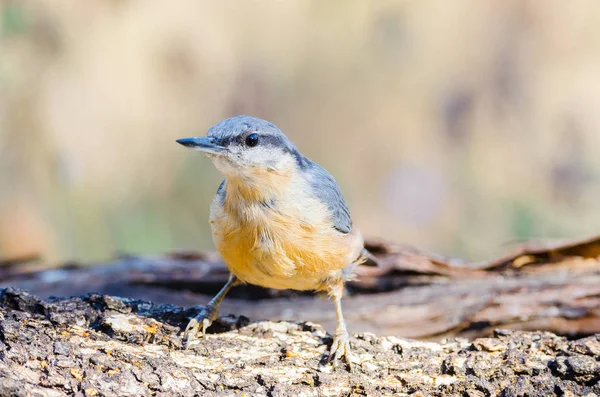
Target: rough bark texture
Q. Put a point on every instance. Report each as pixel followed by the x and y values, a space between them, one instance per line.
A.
pixel 98 345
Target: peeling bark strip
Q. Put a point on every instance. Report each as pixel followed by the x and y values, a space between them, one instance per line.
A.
pixel 99 345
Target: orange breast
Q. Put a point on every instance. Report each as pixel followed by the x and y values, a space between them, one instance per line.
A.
pixel 290 246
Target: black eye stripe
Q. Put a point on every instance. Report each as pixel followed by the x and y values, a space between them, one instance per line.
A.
pixel 252 140
pixel 264 140
pixel 274 141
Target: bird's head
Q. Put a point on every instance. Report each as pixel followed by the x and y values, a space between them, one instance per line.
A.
pixel 246 147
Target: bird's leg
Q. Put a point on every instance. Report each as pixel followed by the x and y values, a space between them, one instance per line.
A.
pixel 210 314
pixel 341 340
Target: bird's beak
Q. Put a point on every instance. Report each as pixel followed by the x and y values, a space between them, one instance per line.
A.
pixel 202 144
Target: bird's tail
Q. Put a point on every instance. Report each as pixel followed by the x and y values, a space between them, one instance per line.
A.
pixel 368 259
pixel 365 258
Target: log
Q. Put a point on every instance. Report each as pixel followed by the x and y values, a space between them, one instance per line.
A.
pixel 541 286
pixel 100 345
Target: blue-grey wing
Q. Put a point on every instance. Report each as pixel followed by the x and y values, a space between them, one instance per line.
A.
pixel 326 189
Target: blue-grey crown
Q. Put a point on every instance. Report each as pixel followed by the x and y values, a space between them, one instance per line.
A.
pixel 235 129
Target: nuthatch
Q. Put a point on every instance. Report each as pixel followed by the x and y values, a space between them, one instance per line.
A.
pixel 278 219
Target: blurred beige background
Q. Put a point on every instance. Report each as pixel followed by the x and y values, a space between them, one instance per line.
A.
pixel 458 127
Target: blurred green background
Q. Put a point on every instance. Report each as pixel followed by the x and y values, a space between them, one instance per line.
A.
pixel 459 127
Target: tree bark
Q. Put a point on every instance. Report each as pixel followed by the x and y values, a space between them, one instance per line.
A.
pixel 98 345
pixel 542 286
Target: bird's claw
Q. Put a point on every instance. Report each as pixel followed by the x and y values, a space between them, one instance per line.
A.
pixel 340 348
pixel 199 324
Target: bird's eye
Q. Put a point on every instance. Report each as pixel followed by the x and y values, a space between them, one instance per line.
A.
pixel 252 140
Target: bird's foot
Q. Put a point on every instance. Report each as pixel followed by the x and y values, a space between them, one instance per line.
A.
pixel 199 323
pixel 341 348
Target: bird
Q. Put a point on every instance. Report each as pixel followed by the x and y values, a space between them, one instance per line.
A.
pixel 278 220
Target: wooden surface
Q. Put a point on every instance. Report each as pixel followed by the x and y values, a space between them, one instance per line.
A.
pixel 97 345
pixel 542 286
